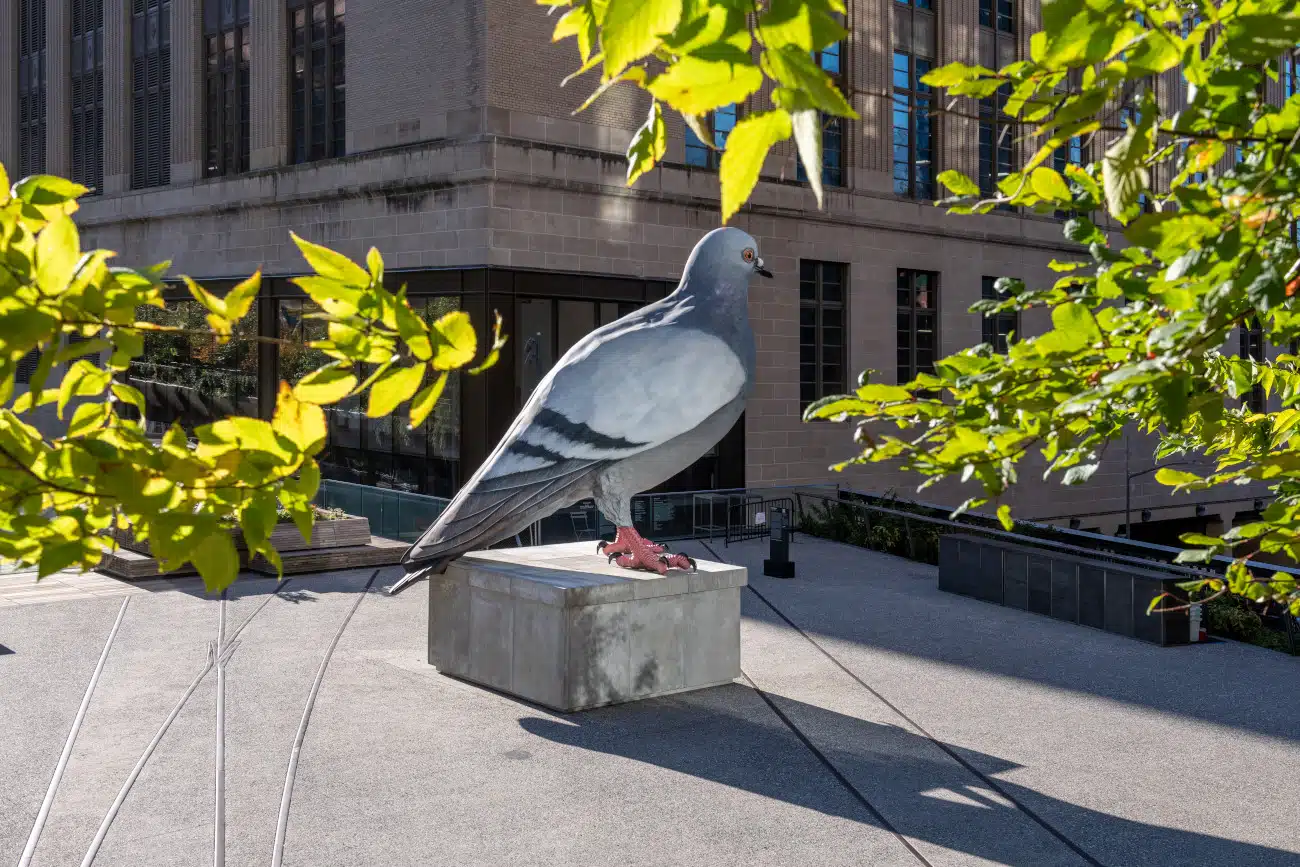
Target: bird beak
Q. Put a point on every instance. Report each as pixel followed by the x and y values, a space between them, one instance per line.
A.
pixel 758 266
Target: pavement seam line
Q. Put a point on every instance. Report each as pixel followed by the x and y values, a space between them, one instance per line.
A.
pixel 1073 847
pixel 111 815
pixel 282 823
pixel 30 849
pixel 835 772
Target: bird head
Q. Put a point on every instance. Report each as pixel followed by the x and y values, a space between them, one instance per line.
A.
pixel 730 254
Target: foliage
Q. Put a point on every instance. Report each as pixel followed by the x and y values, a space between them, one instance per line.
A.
pixel 62 497
pixel 1163 279
pixel 842 522
pixel 696 56
pixel 1234 617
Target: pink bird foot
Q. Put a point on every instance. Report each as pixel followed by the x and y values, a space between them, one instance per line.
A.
pixel 632 551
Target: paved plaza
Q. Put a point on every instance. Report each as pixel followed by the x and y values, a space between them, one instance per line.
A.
pixel 878 722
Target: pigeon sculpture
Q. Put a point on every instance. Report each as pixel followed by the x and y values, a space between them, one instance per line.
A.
pixel 628 407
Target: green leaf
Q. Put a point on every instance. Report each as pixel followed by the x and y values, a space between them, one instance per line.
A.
pixel 954 73
pixel 217 560
pixel 239 299
pixel 648 146
pixel 375 265
pixel 1199 539
pixel 1079 474
pixel 327 263
pixel 1169 233
pixel 83 379
pixel 578 22
pixel 56 558
pixel 395 386
pixel 457 341
pixel 1195 555
pixel 1049 184
pixel 633 28
pixel 58 249
pixel 794 68
pixel 834 407
pixel 804 24
pixel 327 385
pixel 1124 176
pixel 258 519
pixel 1004 515
pixel 695 86
pixel 747 148
pixel 88 417
pixel 1173 478
pixel 957 183
pixel 131 395
pixel 48 190
pixel 422 404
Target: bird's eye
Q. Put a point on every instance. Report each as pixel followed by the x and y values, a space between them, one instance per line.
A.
pixel 748 255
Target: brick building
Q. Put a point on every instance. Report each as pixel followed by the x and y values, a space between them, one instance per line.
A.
pixel 437 131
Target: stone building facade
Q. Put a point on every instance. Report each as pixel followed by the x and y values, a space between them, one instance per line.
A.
pixel 437 131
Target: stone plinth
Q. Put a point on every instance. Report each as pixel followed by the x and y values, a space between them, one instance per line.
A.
pixel 560 626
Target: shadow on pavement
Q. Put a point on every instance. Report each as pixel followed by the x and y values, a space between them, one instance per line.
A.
pixel 922 792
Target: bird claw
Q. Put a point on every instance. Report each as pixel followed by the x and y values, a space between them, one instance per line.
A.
pixel 612 557
pixel 600 546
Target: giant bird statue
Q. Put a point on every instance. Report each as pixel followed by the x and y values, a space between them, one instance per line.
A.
pixel 628 407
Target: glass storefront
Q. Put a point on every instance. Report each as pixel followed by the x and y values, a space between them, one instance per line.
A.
pixel 191 378
pixel 383 452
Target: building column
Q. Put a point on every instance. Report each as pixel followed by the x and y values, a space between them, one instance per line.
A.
pixel 58 87
pixel 187 91
pixel 117 97
pixel 9 87
pixel 269 113
pixel 959 24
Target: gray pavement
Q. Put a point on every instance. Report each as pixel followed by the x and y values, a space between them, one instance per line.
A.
pixel 879 722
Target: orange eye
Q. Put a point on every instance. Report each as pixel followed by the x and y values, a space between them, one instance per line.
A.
pixel 748 255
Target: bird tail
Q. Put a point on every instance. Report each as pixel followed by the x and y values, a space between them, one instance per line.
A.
pixel 416 571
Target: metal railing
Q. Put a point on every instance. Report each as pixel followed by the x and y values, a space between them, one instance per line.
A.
pixel 751 519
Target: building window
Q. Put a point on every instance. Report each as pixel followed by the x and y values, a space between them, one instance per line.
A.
pixel 998 15
pixel 829 59
pixel 317 77
pixel 31 87
pixel 1252 347
pixel 996 133
pixel 88 93
pixel 227 49
pixel 917 322
pixel 913 128
pixel 821 330
pixel 151 83
pixel 1290 74
pixel 719 124
pixel 997 326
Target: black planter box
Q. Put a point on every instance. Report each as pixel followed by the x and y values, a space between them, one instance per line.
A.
pixel 1109 596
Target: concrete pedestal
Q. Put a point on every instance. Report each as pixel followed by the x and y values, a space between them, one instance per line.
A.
pixel 559 626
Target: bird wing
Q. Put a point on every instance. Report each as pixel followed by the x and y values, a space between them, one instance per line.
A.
pixel 621 390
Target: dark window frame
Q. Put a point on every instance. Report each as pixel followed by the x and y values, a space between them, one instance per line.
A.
pixel 997 139
pixel 317 79
pixel 1290 74
pixel 698 154
pixel 32 85
pixel 151 111
pixel 911 316
pixel 914 141
pixel 87 80
pixel 997 327
pixel 823 364
pixel 227 50
pixel 1251 345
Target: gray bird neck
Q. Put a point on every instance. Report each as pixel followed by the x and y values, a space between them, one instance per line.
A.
pixel 719 308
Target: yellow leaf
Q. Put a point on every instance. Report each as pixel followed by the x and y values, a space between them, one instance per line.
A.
pixel 325 386
pixel 57 250
pixel 392 388
pixel 458 341
pixel 422 404
pixel 303 423
pixel 747 148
